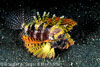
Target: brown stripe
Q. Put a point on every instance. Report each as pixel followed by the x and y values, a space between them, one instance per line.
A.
pixel 33 27
pixel 39 33
pixel 46 33
pixel 32 31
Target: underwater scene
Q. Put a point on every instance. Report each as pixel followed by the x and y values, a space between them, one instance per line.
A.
pixel 49 33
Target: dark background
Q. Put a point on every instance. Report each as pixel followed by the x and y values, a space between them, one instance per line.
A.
pixel 85 52
pixel 43 3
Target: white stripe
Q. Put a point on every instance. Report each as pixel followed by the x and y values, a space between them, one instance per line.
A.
pixel 35 32
pixel 42 34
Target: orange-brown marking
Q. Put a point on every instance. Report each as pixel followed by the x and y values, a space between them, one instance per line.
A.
pixel 32 40
pixel 69 21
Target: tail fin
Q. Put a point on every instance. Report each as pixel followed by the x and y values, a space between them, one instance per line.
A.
pixel 15 19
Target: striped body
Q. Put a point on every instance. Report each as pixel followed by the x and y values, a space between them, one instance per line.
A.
pixel 43 35
pixel 40 33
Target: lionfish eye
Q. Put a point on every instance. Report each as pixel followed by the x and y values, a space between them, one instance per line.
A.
pixel 52 36
pixel 61 36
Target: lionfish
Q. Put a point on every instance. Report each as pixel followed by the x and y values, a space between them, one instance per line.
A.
pixel 42 34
